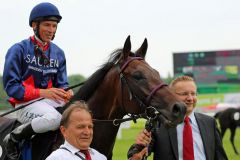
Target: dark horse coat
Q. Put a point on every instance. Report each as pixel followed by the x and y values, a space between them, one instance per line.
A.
pixel 229 118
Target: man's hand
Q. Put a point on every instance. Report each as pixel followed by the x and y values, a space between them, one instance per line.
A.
pixel 139 155
pixel 139 149
pixel 144 138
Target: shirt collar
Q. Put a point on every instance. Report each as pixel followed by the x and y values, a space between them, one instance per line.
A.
pixel 38 42
pixel 72 148
pixel 192 118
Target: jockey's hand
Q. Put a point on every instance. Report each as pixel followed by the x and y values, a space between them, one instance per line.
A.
pixel 56 94
pixel 139 155
pixel 144 138
pixel 69 95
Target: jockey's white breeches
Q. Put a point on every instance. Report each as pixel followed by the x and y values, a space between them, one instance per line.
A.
pixel 42 115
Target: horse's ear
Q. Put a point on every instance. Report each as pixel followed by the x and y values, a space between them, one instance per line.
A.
pixel 143 49
pixel 127 47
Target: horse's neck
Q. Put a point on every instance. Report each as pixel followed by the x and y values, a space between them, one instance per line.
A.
pixel 104 138
pixel 105 133
pixel 104 102
pixel 104 106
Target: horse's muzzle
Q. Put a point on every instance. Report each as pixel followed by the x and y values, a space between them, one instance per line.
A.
pixel 179 110
pixel 173 118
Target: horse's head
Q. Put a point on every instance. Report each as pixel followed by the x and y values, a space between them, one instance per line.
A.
pixel 142 88
pixel 126 84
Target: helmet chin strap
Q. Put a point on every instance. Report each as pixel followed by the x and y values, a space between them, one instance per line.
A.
pixel 53 36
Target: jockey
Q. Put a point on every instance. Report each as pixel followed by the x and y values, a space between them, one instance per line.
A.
pixel 35 71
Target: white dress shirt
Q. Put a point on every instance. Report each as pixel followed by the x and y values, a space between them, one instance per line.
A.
pixel 198 148
pixel 68 152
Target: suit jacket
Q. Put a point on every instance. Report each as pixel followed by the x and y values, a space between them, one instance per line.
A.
pixel 164 143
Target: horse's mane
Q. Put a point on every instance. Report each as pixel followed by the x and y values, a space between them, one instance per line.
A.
pixel 91 84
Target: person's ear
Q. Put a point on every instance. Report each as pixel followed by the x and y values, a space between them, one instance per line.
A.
pixel 63 130
pixel 34 25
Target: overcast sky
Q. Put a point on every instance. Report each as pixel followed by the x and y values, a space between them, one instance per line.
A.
pixel 91 29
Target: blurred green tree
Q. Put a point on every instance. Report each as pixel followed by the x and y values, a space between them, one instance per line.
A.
pixel 74 80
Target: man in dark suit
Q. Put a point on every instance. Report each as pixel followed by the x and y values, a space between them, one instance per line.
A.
pixel 169 144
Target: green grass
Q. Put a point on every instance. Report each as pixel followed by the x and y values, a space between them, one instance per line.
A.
pixel 122 145
pixel 228 146
pixel 128 138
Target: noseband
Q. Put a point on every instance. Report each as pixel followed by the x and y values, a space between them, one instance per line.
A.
pixel 123 79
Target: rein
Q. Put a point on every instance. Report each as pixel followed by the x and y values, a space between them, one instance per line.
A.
pixel 23 106
pixel 117 122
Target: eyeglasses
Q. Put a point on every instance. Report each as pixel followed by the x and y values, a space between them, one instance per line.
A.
pixel 185 94
pixel 44 60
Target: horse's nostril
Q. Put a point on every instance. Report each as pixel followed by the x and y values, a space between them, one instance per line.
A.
pixel 179 109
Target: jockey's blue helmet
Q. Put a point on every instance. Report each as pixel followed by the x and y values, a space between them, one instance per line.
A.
pixel 44 11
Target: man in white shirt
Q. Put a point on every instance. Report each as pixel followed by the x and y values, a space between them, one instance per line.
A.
pixel 77 128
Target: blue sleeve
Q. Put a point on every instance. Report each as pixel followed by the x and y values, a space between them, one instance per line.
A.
pixel 61 77
pixel 12 72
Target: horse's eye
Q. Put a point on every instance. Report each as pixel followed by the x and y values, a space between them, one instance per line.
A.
pixel 138 76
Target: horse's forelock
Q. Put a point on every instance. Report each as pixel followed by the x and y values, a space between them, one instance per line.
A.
pixel 117 56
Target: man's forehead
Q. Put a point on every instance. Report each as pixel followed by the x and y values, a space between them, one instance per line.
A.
pixel 49 22
pixel 184 85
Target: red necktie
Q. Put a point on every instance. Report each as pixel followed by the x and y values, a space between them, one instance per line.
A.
pixel 87 154
pixel 188 153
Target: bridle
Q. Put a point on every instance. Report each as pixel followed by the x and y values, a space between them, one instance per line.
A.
pixel 142 103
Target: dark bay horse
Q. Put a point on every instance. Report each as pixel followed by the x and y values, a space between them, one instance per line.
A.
pixel 125 84
pixel 229 119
